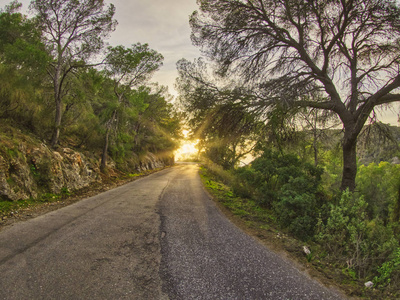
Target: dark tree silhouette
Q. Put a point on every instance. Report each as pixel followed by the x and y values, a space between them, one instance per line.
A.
pixel 284 50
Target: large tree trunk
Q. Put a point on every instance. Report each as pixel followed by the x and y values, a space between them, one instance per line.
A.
pixel 349 161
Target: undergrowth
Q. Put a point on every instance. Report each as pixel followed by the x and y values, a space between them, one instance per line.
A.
pixel 10 208
pixel 246 208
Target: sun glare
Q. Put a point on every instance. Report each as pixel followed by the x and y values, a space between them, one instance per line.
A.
pixel 187 151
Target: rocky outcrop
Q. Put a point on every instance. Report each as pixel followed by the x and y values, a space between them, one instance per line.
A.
pixel 27 171
pixel 30 169
pixel 151 162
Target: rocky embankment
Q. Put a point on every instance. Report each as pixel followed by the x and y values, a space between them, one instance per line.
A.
pixel 29 168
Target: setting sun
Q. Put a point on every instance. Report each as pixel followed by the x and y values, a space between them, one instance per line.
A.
pixel 188 149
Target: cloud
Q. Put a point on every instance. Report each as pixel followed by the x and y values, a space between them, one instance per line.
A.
pixel 164 25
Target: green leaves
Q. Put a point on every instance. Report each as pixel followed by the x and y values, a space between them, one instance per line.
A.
pixel 379 183
pixel 48 81
pixel 132 66
pixel 353 238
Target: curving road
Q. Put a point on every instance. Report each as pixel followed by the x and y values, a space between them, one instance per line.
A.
pixel 159 237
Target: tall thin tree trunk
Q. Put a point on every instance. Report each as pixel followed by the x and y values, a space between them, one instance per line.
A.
pixel 103 164
pixel 57 98
pixel 349 163
pixel 315 133
pixel 57 124
pixel 315 150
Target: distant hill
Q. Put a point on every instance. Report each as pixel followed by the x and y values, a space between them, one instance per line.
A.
pixel 379 142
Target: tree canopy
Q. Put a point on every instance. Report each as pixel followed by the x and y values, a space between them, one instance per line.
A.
pixel 281 52
pixel 58 83
pixel 73 31
pixel 127 68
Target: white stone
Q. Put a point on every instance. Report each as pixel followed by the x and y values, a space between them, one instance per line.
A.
pixel 369 284
pixel 306 250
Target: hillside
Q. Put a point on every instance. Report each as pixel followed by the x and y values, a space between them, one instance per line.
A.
pixel 379 143
pixel 29 168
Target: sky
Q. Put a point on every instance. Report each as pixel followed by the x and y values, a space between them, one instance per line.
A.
pixel 164 25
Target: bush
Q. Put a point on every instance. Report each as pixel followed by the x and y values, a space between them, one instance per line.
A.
pixel 354 240
pixel 297 209
pixel 288 185
pixel 379 184
pixel 389 269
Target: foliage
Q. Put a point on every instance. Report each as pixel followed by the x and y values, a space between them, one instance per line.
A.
pixel 133 66
pixel 349 241
pixel 22 55
pixel 47 75
pixel 352 238
pixel 290 186
pixel 213 177
pixel 387 269
pixel 297 208
pixel 227 132
pixel 379 184
pixel 270 55
pixel 127 68
pixel 73 31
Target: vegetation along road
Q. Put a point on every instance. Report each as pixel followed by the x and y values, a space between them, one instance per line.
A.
pixel 159 237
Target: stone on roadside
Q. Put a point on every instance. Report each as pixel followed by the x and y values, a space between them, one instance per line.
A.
pixel 369 284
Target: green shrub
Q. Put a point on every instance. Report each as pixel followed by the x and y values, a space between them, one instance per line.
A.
pixel 288 185
pixel 296 210
pixel 388 269
pixel 352 239
pixel 379 184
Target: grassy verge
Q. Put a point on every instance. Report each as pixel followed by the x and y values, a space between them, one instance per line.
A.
pixel 246 209
pixel 10 208
pixel 261 223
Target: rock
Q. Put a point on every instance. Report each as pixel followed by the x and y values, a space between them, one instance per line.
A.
pixel 306 250
pixel 30 168
pixel 395 161
pixel 38 168
pixel 151 161
pixel 369 284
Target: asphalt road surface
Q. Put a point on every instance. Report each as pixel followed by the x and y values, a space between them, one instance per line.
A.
pixel 159 237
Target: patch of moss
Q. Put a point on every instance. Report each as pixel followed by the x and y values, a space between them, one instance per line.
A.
pixel 10 181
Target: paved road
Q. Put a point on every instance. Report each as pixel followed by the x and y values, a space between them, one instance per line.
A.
pixel 204 256
pixel 108 247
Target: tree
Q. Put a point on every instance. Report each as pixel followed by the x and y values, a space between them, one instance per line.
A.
pixel 22 61
pixel 226 130
pixel 74 31
pixel 284 50
pixel 128 68
pixel 157 128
